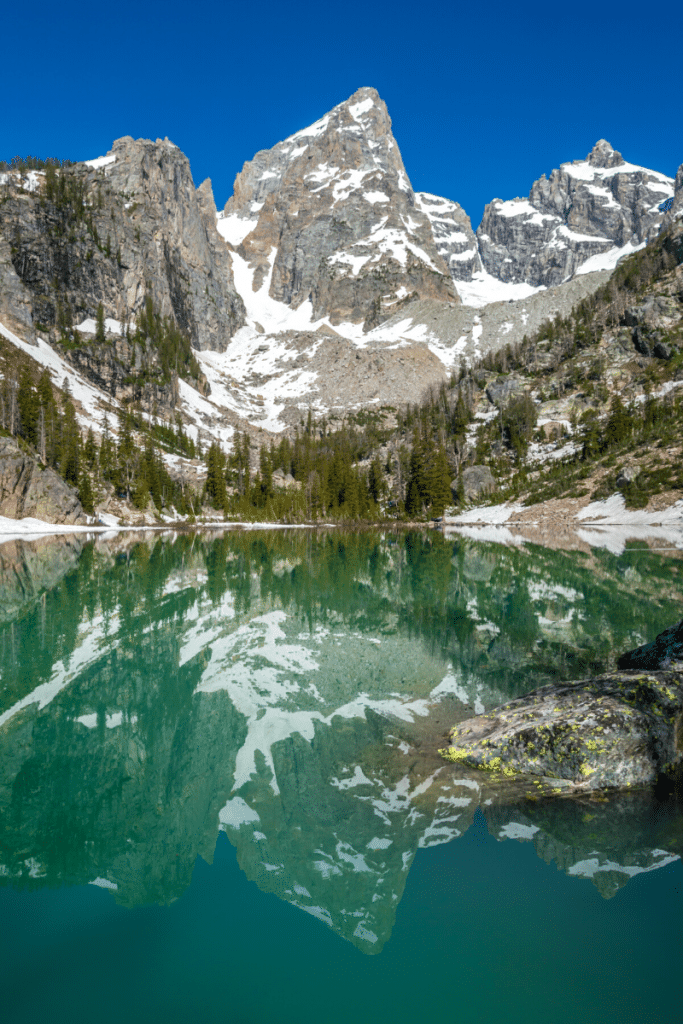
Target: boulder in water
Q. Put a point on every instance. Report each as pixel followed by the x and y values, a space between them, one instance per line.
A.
pixel 664 649
pixel 618 731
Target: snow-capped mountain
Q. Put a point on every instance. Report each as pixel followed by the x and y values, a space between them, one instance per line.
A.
pixel 584 217
pixel 325 283
pixel 330 218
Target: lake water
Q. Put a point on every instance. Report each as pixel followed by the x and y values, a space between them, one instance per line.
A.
pixel 221 797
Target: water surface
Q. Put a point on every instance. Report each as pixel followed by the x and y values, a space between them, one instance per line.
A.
pixel 220 795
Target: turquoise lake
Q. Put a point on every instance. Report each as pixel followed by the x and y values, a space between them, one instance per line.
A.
pixel 221 797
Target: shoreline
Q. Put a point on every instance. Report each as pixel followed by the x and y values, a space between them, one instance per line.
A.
pixel 567 523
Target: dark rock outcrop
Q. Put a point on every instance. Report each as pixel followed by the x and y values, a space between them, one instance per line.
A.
pixel 499 392
pixel 617 731
pixel 659 654
pixel 28 490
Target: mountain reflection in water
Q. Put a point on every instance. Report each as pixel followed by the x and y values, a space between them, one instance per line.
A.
pixel 291 690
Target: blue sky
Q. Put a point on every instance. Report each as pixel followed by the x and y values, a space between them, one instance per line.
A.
pixel 484 97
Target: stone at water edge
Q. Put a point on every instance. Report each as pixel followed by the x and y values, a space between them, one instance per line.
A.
pixel 477 481
pixel 659 654
pixel 617 731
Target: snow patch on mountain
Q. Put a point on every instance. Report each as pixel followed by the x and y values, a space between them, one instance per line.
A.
pixel 608 260
pixel 484 288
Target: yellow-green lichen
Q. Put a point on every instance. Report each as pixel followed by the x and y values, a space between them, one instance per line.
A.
pixel 586 769
pixel 456 754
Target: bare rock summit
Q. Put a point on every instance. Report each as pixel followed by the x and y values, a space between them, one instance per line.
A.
pixel 329 217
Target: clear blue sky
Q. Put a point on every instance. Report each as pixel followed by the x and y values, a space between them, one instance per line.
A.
pixel 484 97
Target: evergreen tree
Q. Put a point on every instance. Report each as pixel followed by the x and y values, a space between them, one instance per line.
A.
pixel 413 499
pixel 70 446
pixel 376 485
pixel 126 453
pixel 215 477
pixel 85 494
pixel 619 425
pixel 439 483
pixel 90 449
pixel 29 405
pixel 107 453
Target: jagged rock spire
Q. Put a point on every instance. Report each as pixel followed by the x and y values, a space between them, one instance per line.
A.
pixel 602 155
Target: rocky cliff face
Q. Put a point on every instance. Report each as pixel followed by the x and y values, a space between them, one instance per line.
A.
pixel 329 217
pixel 326 282
pixel 583 210
pixel 26 489
pixel 117 228
pixel 455 240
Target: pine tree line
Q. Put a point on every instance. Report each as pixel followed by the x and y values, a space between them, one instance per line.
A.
pixel 33 163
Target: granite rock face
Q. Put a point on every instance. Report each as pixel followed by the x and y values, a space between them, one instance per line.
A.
pixel 329 217
pixel 617 731
pixel 455 240
pixel 584 209
pixel 15 298
pixel 139 227
pixel 28 490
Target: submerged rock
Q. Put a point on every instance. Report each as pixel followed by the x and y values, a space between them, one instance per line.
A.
pixel 617 731
pixel 659 654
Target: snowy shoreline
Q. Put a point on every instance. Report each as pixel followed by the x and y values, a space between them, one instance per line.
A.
pixel 33 529
pixel 604 524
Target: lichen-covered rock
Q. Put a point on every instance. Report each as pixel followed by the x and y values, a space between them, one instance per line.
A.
pixel 664 649
pixel 619 730
pixel 28 490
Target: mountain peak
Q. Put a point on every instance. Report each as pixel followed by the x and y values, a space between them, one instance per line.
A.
pixel 602 155
pixel 336 196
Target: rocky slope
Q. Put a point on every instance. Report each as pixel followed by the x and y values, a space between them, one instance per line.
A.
pixel 585 211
